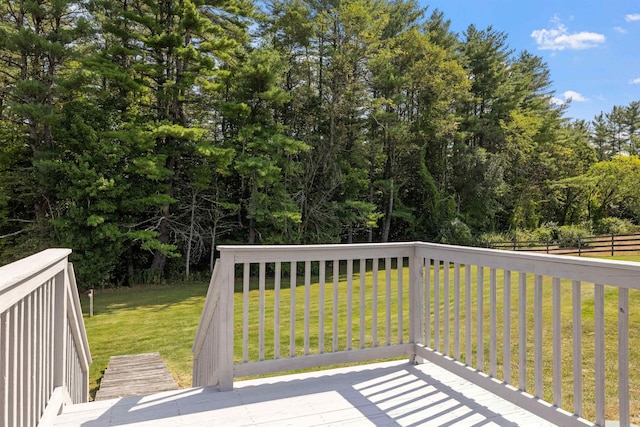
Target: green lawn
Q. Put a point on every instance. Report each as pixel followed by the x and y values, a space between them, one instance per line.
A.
pixel 142 320
pixel 164 319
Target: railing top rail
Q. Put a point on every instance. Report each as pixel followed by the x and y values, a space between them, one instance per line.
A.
pixel 274 253
pixel 18 272
pixel 594 270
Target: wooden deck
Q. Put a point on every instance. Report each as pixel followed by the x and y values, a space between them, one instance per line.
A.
pixel 135 375
pixel 382 394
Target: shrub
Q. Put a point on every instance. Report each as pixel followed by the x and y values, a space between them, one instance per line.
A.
pixel 456 232
pixel 489 240
pixel 613 225
pixel 546 232
pixel 569 236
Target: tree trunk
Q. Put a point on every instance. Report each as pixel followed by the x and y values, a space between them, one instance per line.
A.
pixel 386 230
pixel 190 240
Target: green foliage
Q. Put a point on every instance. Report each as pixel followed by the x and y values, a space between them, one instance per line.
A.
pixel 148 136
pixel 569 236
pixel 456 232
pixel 612 225
pixel 546 232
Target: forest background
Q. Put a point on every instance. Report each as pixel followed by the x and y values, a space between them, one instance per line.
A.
pixel 143 133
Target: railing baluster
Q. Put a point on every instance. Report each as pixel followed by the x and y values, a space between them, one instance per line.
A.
pixel 30 374
pixel 349 303
pixel 292 309
pixel 557 343
pixel 400 270
pixel 577 346
pixel 468 314
pixel 307 304
pixel 447 304
pixel 599 353
pixel 261 310
pixel 4 367
pixel 427 302
pixel 48 388
pixel 436 305
pixel 276 309
pixel 537 336
pixel 506 349
pixel 322 279
pixel 480 319
pixel 493 324
pixel 14 355
pixel 522 331
pixel 456 311
pixel 336 283
pixel 39 348
pixel 245 312
pixel 363 286
pixel 387 267
pixel 321 315
pixel 374 302
pixel 623 356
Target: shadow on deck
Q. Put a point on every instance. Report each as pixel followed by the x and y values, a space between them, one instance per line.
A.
pixel 383 394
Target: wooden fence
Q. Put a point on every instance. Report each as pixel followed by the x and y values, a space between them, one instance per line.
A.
pixel 607 244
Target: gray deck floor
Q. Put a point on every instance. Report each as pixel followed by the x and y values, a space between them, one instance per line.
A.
pixel 383 394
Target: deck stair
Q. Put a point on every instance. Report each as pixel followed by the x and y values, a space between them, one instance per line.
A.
pixel 135 375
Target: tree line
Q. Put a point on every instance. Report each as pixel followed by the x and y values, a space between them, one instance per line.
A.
pixel 143 133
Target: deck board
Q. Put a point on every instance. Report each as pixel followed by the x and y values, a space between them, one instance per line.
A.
pixel 135 375
pixel 384 394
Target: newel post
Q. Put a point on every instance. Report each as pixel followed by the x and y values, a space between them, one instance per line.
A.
pixel 415 297
pixel 224 323
pixel 60 328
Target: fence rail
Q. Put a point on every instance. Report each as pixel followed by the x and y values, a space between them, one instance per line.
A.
pixel 511 322
pixel 613 244
pixel 44 354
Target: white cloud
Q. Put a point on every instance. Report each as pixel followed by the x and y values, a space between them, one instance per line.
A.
pixel 574 96
pixel 559 38
pixel 632 17
pixel 567 96
pixel 635 81
pixel 557 101
pixel 620 30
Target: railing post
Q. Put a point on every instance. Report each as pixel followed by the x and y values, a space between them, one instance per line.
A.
pixel 415 298
pixel 60 329
pixel 224 323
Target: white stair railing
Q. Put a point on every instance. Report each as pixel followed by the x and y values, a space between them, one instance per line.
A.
pixel 511 322
pixel 44 353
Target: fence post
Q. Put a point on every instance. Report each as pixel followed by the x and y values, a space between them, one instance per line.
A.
pixel 547 240
pixel 612 243
pixel 579 247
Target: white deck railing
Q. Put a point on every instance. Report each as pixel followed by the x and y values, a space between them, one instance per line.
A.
pixel 510 322
pixel 44 354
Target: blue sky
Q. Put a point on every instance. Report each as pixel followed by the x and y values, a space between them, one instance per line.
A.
pixel 592 48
